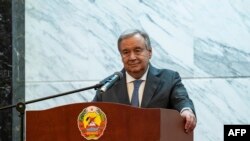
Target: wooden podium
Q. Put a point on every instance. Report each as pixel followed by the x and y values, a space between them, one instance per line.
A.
pixel 124 123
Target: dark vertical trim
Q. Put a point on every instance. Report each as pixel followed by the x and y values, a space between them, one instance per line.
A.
pixel 18 54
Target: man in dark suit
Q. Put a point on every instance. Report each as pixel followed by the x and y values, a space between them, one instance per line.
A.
pixel 157 88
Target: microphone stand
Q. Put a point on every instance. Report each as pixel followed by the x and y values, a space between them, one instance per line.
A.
pixel 20 107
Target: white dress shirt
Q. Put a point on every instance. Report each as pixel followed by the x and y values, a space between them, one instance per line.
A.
pixel 130 86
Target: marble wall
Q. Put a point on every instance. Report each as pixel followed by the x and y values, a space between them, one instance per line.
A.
pixel 71 44
pixel 5 69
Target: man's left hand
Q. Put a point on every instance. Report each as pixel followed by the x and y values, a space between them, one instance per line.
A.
pixel 190 120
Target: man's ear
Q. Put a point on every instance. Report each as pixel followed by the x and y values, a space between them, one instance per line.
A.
pixel 150 53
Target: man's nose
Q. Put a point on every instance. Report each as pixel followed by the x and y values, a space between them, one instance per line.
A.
pixel 132 56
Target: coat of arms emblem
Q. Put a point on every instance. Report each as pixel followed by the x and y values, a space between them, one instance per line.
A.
pixel 92 122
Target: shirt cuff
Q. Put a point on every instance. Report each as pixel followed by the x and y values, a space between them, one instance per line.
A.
pixel 186 108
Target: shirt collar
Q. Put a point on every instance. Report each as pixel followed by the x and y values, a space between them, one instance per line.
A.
pixel 131 79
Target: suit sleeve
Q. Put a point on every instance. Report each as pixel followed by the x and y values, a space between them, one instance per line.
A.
pixel 179 96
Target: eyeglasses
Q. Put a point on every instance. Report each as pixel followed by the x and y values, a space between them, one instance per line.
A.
pixel 137 51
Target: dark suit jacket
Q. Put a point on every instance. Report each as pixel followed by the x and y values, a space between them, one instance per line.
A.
pixel 163 89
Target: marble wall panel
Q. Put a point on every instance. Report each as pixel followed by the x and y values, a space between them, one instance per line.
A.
pixel 5 70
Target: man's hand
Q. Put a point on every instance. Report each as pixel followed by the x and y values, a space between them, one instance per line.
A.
pixel 190 120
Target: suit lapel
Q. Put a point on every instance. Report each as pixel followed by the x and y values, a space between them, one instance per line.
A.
pixel 122 89
pixel 151 85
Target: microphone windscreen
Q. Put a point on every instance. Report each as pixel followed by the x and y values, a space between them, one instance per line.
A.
pixel 119 74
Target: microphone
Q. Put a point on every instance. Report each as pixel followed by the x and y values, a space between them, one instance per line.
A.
pixel 110 81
